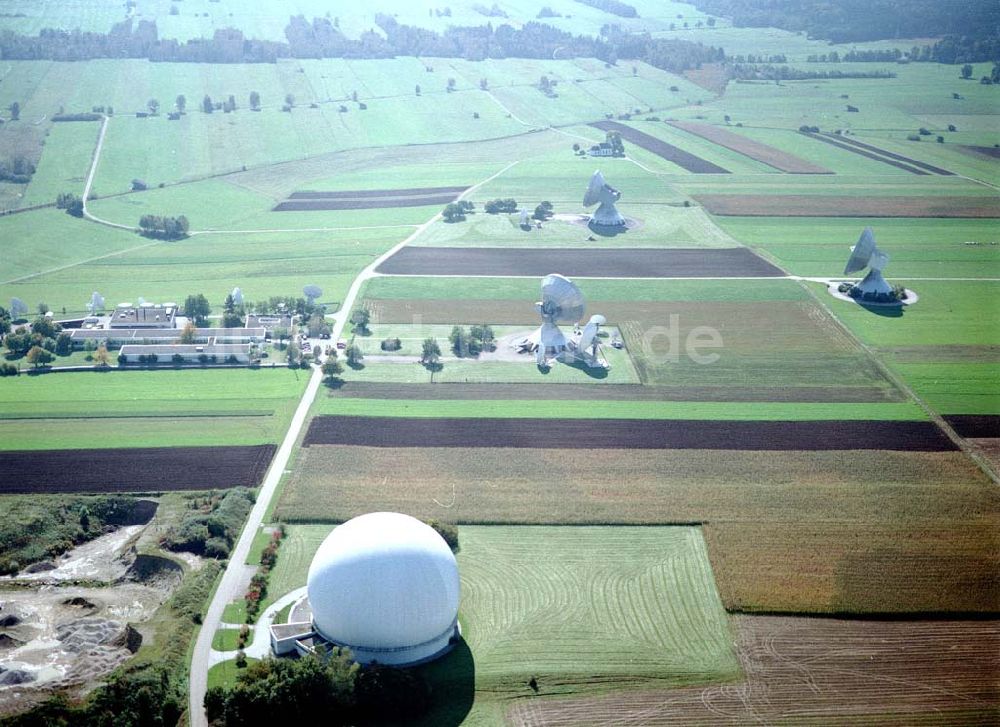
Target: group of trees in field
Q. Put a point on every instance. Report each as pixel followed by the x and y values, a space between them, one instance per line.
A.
pixel 71 203
pixel 498 206
pixel 471 342
pixel 212 525
pixel 164 228
pixel 197 308
pixel 233 313
pixel 331 690
pixel 38 345
pixel 456 211
pixel 18 169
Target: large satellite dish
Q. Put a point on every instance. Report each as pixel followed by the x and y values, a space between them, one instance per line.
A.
pixel 237 296
pixel 865 254
pixel 602 193
pixel 562 301
pixel 588 339
pixel 96 302
pixel 18 308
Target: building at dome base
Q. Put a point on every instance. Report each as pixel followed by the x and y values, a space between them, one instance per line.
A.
pixel 385 586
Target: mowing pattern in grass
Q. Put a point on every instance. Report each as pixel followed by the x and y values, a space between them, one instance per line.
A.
pixel 136 470
pixel 671 153
pixel 852 531
pixel 807 205
pixel 399 431
pixel 575 607
pixel 819 671
pixel 609 263
pixel 780 160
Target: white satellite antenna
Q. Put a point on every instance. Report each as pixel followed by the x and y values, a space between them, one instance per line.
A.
pixel 142 301
pixel 562 302
pixel 17 308
pixel 587 346
pixel 237 296
pixel 866 255
pixel 524 219
pixel 96 303
pixel 600 192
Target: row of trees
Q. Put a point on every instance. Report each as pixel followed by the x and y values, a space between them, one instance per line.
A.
pixel 767 72
pixel 164 228
pixel 472 342
pixel 333 690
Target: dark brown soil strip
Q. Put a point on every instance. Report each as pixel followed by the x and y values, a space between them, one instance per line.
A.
pixel 897 157
pixel 988 151
pixel 144 469
pixel 808 205
pixel 616 392
pixel 595 262
pixel 758 151
pixel 975 426
pixel 366 203
pixel 627 434
pixel 861 152
pixel 671 153
pixel 364 193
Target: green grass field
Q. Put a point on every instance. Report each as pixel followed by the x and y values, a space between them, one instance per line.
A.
pixel 148 408
pixel 580 609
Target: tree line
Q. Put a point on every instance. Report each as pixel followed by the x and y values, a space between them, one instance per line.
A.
pixel 968 28
pixel 769 72
pixel 320 38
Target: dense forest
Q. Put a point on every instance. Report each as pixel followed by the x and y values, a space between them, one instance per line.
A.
pixel 321 38
pixel 970 29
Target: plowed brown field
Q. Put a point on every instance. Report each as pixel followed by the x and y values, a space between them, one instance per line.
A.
pixel 685 160
pixel 807 671
pixel 144 469
pixel 809 205
pixel 780 160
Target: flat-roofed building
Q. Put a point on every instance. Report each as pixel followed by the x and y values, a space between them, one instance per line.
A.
pixel 147 315
pixel 189 353
pixel 115 338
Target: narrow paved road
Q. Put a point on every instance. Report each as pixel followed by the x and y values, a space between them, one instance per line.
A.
pixel 233 580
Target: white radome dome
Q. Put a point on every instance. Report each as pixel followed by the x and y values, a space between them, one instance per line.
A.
pixel 385 585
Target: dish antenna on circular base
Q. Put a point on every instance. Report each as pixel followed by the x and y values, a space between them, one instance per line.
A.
pixel 18 308
pixel 562 302
pixel 600 192
pixel 237 296
pixel 865 254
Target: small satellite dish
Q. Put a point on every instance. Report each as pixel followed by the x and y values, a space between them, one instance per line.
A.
pixel 237 296
pixel 600 192
pixel 588 339
pixel 18 308
pixel 96 302
pixel 142 301
pixel 865 254
pixel 524 218
pixel 312 292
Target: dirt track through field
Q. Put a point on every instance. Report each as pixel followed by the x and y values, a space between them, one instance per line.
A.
pixel 892 155
pixel 808 205
pixel 378 193
pixel 144 469
pixel 595 262
pixel 819 671
pixel 764 153
pixel 837 142
pixel 685 160
pixel 618 392
pixel 627 434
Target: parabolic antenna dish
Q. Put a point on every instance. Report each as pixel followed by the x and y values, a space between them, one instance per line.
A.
pixel 593 193
pixel 96 302
pixel 562 301
pixel 17 307
pixel 861 253
pixel 237 296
